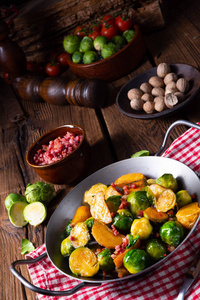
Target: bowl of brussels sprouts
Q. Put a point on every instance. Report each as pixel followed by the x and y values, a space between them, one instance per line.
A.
pixel 104 58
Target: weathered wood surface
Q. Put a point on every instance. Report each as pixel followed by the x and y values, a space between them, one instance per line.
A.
pixel 111 135
pixel 40 28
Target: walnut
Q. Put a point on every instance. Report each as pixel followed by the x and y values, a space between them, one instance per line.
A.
pixel 134 93
pixel 170 77
pixel 163 69
pixel 147 97
pixel 156 81
pixel 170 100
pixel 136 104
pixel 148 107
pixel 182 85
pixel 158 91
pixel 146 88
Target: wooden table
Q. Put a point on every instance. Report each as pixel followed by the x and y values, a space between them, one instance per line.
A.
pixel 111 135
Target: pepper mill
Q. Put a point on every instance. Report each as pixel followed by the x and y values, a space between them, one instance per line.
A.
pixel 93 93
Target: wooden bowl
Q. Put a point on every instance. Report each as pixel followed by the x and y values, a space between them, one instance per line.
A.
pixel 115 66
pixel 67 169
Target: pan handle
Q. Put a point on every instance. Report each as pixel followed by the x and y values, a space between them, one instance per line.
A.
pixel 166 138
pixel 43 291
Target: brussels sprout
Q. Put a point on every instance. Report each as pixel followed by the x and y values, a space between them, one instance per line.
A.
pixel 68 228
pixel 129 34
pixel 183 198
pixel 79 235
pixel 141 227
pixel 90 57
pixel 86 44
pixel 132 240
pixel 100 41
pixel 113 203
pixel 12 198
pixel 89 222
pixel 16 214
pixel 168 181
pixel 105 260
pixel 77 57
pixel 108 50
pixel 40 191
pixel 150 195
pixel 156 249
pixel 35 213
pixel 123 220
pixel 172 233
pixel 66 247
pixel 136 260
pixel 71 43
pixel 119 40
pixel 138 201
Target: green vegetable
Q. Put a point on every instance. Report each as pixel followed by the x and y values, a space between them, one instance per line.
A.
pixel 141 227
pixel 138 201
pixel 77 57
pixel 140 153
pixel 71 43
pixel 100 41
pixel 105 260
pixel 119 40
pixel 172 233
pixel 40 191
pixel 132 240
pixel 89 222
pixel 26 246
pixel 156 249
pixel 136 260
pixel 168 181
pixel 183 198
pixel 35 213
pixel 90 57
pixel 66 247
pixel 68 228
pixel 129 34
pixel 150 195
pixel 15 214
pixel 113 203
pixel 108 50
pixel 123 220
pixel 12 198
pixel 86 44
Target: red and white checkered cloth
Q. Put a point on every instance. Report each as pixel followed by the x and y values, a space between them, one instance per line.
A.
pixel 161 284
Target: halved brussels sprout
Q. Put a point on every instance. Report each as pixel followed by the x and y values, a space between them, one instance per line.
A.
pixel 156 249
pixel 83 262
pixel 79 235
pixel 141 227
pixel 138 201
pixel 136 260
pixel 113 203
pixel 183 198
pixel 105 261
pixel 123 220
pixel 66 247
pixel 150 195
pixel 172 233
pixel 166 201
pixel 35 213
pixel 157 189
pixel 168 181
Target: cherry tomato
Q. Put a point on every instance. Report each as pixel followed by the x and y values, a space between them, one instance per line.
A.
pixel 107 20
pixel 7 78
pixel 94 34
pixel 62 59
pixel 81 31
pixel 52 69
pixel 30 66
pixel 109 32
pixel 95 26
pixel 123 22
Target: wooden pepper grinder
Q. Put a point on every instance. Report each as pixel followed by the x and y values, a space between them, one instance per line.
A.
pixel 93 93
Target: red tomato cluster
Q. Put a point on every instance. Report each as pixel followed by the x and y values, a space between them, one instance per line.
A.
pixel 108 26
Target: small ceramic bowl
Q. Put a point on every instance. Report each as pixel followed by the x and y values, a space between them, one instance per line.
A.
pixel 115 66
pixel 67 169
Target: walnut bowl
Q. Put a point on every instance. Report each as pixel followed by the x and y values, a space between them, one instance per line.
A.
pixel 68 169
pixel 115 66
